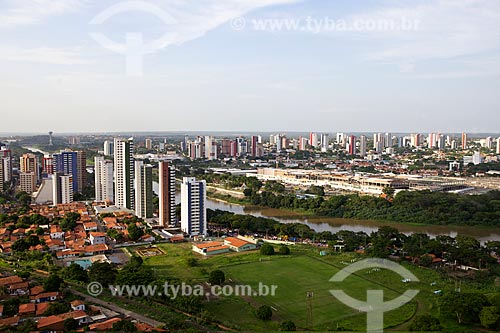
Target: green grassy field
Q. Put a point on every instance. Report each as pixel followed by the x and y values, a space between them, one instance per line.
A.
pixel 295 275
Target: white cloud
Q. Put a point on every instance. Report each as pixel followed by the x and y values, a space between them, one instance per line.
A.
pixel 446 29
pixel 45 55
pixel 194 18
pixel 27 12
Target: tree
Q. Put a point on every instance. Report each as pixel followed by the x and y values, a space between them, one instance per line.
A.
pixel 191 262
pixel 389 191
pixel 216 277
pixel 267 249
pixel 70 324
pixel 39 219
pixel 56 308
pixel 115 234
pixel 285 250
pixel 124 326
pixel 76 272
pixel 490 317
pixel 464 306
pixel 426 260
pixel 102 272
pixel 264 312
pixel 425 323
pixel 288 326
pixel 134 232
pixel 134 273
pixel 20 245
pixel 11 306
pixel 69 221
pixel 316 190
pixel 52 283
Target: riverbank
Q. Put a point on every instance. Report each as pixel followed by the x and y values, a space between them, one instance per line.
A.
pixel 322 223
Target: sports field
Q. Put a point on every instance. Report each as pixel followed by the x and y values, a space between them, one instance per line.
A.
pixel 295 275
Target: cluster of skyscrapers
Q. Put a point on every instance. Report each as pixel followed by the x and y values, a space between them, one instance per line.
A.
pixel 128 183
pixel 208 148
pixel 382 143
pixel 64 173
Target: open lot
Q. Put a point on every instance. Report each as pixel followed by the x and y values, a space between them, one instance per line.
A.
pixel 295 275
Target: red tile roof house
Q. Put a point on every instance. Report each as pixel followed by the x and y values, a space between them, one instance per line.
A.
pixel 147 238
pixel 41 308
pixel 77 305
pixel 92 250
pixel 51 324
pixel 105 325
pixel 239 245
pixel 46 297
pixel 90 226
pixel 36 290
pixel 21 288
pixel 11 321
pixel 78 315
pixel 68 253
pixel 9 280
pixel 97 238
pixel 27 310
pixel 55 245
pixel 19 233
pixel 56 232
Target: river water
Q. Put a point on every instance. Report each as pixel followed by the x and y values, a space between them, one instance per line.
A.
pixel 334 225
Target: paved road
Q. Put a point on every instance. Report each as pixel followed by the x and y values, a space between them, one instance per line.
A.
pixel 118 309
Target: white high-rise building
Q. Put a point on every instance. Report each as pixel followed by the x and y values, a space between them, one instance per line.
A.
pixel 124 173
pixel 108 148
pixel 62 188
pixel 362 145
pixel 210 148
pixel 103 173
pixel 340 138
pixel 2 180
pixel 143 190
pixel 498 146
pixel 193 206
pixel 387 140
pixel 324 143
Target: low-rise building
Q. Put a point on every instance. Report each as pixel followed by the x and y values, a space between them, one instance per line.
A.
pixel 210 248
pixel 239 245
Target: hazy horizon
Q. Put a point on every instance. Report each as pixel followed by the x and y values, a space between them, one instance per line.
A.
pixel 260 65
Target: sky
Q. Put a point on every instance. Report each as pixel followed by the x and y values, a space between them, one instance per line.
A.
pixel 249 65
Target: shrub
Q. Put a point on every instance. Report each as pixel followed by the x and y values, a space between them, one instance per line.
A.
pixel 216 277
pixel 288 326
pixel 284 250
pixel 425 323
pixel 267 249
pixel 264 312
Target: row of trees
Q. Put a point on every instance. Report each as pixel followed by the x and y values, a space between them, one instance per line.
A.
pixel 407 207
pixel 386 241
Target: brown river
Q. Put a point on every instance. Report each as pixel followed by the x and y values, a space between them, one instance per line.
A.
pixel 316 223
pixel 334 225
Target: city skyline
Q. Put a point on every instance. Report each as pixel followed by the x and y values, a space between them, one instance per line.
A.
pixel 441 74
